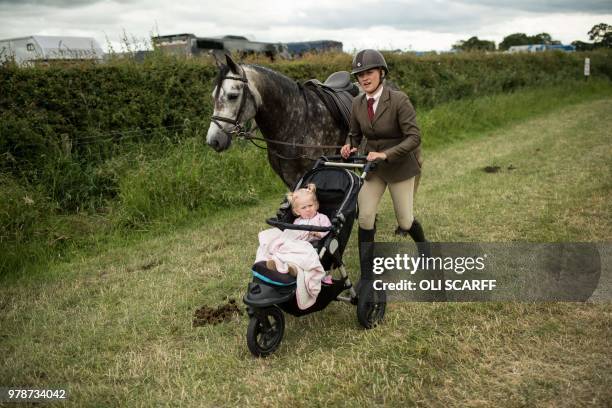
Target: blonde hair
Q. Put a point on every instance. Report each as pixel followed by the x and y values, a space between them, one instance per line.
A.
pixel 309 190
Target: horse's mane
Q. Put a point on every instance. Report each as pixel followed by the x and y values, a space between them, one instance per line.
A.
pixel 283 85
pixel 288 85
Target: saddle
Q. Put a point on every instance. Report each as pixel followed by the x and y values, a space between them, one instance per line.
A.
pixel 337 93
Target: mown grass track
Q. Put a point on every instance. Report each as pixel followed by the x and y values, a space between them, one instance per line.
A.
pixel 115 329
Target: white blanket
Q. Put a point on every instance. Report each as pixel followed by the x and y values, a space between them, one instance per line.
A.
pixel 289 247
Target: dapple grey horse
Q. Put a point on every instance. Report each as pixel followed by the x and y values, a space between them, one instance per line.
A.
pixel 286 113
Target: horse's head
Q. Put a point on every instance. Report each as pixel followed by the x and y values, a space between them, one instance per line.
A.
pixel 235 102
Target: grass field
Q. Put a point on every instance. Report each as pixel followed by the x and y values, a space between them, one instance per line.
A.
pixel 115 329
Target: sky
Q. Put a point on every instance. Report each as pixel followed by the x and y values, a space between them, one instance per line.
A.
pixel 389 24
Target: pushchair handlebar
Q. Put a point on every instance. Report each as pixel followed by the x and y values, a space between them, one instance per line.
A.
pixel 355 161
pixel 285 225
pixel 354 158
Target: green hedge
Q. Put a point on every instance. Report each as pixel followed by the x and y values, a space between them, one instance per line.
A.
pixel 431 80
pixel 128 138
pixel 58 125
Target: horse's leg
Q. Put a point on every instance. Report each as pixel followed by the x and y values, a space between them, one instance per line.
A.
pixel 292 171
pixel 299 168
pixel 280 169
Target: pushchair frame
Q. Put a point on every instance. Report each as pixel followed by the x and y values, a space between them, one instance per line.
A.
pixel 266 300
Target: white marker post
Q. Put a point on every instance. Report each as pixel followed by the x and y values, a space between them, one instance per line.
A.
pixel 587 68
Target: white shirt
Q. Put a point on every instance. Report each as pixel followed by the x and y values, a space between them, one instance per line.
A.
pixel 376 97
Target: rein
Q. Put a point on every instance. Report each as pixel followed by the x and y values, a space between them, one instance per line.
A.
pixel 239 130
pixel 247 136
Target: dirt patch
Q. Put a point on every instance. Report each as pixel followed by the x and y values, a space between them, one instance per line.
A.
pixel 150 264
pixel 207 315
pixel 497 169
pixel 145 266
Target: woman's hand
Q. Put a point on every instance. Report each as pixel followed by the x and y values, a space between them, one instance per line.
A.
pixel 346 151
pixel 372 156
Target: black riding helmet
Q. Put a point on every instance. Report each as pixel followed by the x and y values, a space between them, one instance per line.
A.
pixel 368 59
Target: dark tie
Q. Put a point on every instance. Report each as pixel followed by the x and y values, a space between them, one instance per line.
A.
pixel 371 108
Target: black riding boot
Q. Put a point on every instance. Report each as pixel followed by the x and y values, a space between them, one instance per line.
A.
pixel 366 252
pixel 366 259
pixel 424 248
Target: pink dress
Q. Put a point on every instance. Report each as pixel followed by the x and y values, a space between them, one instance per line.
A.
pixel 319 220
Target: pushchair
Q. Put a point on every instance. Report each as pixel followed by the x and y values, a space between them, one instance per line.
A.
pixel 270 293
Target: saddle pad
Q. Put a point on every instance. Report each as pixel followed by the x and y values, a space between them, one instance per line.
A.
pixel 338 103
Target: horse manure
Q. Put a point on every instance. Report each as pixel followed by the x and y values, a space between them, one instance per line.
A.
pixel 207 315
pixel 150 264
pixel 491 169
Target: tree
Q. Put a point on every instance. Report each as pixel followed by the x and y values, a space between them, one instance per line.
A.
pixel 583 46
pixel 474 44
pixel 599 31
pixel 514 39
pixel 542 38
pixel 524 39
pixel 601 35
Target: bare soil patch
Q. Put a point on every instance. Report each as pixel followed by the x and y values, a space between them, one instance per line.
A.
pixel 208 315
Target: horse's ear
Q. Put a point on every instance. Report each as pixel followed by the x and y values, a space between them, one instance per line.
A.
pixel 231 64
pixel 218 62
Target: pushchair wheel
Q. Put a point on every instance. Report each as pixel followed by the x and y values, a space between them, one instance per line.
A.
pixel 371 305
pixel 265 332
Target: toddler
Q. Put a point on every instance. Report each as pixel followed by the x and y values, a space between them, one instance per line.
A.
pixel 305 206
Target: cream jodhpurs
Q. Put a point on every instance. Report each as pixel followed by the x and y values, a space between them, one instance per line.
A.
pixel 402 194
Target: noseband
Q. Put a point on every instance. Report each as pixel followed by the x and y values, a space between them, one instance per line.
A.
pixel 238 129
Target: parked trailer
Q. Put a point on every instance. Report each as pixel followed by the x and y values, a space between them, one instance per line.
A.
pixel 36 49
pixel 189 45
pixel 541 47
pixel 303 47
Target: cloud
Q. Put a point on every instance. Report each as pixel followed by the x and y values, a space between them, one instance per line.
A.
pixel 423 25
pixel 442 16
pixel 407 15
pixel 563 27
pixel 550 6
pixel 439 16
pixel 49 3
pixel 66 4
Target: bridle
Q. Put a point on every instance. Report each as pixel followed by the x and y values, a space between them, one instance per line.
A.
pixel 238 129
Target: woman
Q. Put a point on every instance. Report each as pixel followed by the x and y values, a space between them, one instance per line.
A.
pixel 387 120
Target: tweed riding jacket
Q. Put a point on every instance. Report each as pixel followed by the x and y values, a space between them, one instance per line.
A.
pixel 393 130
